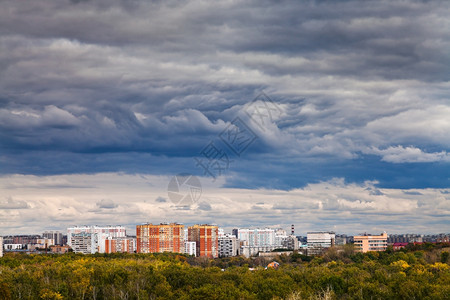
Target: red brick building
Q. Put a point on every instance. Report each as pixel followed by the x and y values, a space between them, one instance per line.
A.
pixel 160 238
pixel 206 238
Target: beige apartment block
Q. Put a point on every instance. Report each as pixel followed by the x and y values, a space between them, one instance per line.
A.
pixel 365 243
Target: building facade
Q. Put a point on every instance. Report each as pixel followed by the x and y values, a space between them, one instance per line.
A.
pixel 1 246
pixel 365 243
pixel 120 245
pixel 44 243
pixel 206 239
pixel 228 246
pixel 56 236
pixel 254 241
pixel 84 242
pixel 160 238
pixel 59 249
pixel 319 241
pixel 97 236
pixel 290 242
pixel 24 240
pixel 190 248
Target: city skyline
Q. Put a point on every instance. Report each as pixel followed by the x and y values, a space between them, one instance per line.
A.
pixel 343 107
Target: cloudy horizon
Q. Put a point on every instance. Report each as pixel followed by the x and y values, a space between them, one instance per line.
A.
pixel 103 102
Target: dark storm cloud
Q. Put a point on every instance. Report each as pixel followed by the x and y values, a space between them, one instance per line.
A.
pixel 108 83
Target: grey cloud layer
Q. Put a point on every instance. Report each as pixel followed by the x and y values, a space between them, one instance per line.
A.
pixel 165 77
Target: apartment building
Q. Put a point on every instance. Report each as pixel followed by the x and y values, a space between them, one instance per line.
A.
pixel 160 238
pixel 228 245
pixel 120 245
pixel 206 238
pixel 56 236
pixel 84 242
pixel 93 236
pixel 190 248
pixel 367 242
pixel 319 241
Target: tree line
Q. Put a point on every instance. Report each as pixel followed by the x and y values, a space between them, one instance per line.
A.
pixel 416 272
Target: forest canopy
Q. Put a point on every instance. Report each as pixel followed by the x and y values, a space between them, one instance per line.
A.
pixel 415 273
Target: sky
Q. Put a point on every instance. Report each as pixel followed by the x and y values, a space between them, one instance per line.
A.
pixel 330 115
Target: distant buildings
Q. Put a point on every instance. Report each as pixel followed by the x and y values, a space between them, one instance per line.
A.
pixel 1 246
pixel 23 240
pixel 206 239
pixel 203 241
pixel 404 238
pixel 290 242
pixel 56 236
pixel 92 239
pixel 319 241
pixel 398 246
pixel 443 239
pixel 57 249
pixel 160 238
pixel 341 239
pixel 365 243
pixel 254 241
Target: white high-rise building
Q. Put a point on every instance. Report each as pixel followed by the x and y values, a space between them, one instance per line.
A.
pixel 95 236
pixel 84 242
pixel 257 240
pixel 1 246
pixel 190 248
pixel 257 237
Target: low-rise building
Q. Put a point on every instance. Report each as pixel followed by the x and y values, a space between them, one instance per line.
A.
pixel 398 246
pixel 365 243
pixel 44 243
pixel 319 241
pixel 59 249
pixel 11 247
